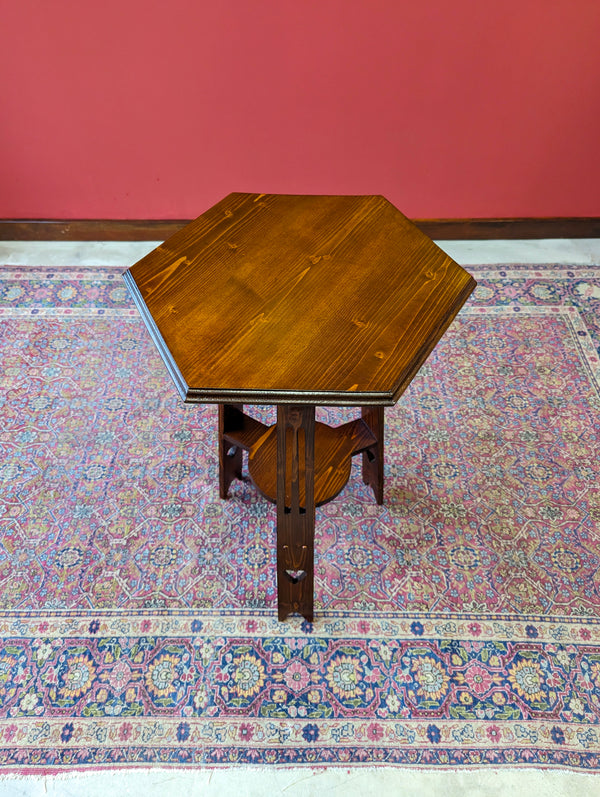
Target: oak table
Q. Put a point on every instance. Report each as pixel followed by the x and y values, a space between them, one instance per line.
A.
pixel 297 301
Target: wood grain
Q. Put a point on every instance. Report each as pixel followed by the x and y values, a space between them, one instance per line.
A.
pixel 295 521
pixel 334 448
pixel 298 464
pixel 297 300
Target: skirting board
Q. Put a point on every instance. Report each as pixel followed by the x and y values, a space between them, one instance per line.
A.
pixel 160 230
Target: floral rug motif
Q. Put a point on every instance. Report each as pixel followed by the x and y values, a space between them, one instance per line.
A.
pixel 457 625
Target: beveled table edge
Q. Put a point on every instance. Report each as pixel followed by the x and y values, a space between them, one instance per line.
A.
pixel 155 334
pixel 275 397
pixel 246 396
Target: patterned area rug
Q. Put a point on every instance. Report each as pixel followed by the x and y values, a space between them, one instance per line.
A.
pixel 457 625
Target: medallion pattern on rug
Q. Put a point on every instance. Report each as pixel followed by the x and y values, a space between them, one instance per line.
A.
pixel 458 624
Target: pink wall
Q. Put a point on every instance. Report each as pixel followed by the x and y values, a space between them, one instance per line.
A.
pixel 149 109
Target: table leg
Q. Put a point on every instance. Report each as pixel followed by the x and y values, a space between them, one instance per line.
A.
pixel 372 464
pixel 295 522
pixel 230 456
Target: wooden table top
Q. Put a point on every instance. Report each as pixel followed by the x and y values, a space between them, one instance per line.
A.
pixel 269 298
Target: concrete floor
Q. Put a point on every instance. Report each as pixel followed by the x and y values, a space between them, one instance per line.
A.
pixel 582 251
pixel 360 782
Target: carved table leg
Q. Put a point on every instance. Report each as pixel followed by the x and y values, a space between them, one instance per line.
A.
pixel 372 464
pixel 295 510
pixel 230 456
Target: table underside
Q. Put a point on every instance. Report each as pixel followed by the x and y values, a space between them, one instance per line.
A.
pixel 298 464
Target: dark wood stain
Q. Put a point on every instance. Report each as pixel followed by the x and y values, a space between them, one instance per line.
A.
pixel 297 299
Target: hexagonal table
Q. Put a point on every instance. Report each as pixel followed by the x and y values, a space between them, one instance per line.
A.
pixel 297 301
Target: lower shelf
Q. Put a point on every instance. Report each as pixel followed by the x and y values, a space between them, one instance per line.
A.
pixel 334 449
